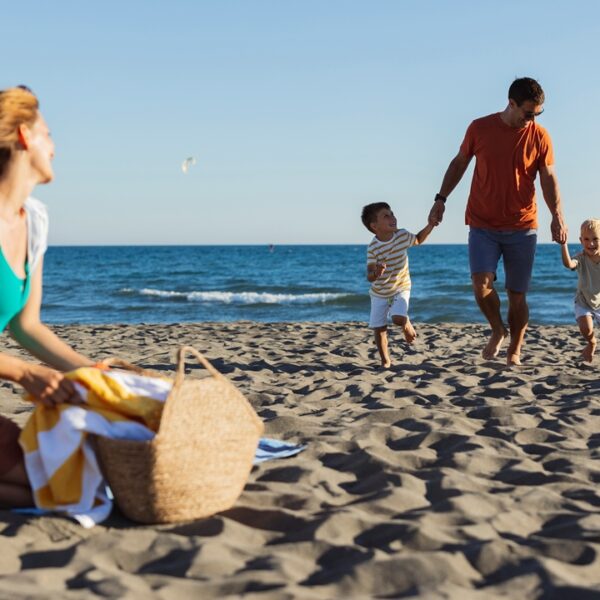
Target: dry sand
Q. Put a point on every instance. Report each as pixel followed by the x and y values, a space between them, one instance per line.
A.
pixel 443 477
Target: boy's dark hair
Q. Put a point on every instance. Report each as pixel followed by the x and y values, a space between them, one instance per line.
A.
pixel 369 213
pixel 524 89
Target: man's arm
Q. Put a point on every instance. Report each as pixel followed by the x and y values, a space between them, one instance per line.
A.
pixel 551 193
pixel 456 169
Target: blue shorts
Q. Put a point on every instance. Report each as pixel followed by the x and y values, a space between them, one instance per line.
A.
pixel 517 249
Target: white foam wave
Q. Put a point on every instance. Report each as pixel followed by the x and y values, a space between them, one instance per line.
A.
pixel 240 297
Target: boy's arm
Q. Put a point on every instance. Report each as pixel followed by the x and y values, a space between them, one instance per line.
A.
pixel 424 234
pixel 374 271
pixel 566 257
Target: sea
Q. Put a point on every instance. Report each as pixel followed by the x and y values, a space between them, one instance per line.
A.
pixel 174 284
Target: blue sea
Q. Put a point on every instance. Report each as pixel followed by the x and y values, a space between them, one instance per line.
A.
pixel 169 284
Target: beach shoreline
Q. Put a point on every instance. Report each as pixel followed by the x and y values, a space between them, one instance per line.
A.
pixel 441 477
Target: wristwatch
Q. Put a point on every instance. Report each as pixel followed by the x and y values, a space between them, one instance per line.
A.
pixel 440 197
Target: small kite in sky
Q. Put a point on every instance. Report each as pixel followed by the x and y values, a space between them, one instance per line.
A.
pixel 187 163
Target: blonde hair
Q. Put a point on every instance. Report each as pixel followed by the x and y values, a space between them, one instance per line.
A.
pixel 18 106
pixel 593 224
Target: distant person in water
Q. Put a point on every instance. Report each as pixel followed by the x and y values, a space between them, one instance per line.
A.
pixel 387 270
pixel 26 153
pixel 510 149
pixel 587 297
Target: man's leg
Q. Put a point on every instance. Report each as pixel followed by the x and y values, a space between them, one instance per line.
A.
pixel 518 318
pixel 484 254
pixel 518 252
pixel 489 304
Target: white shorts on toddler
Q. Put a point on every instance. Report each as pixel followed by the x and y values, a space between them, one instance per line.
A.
pixel 396 305
pixel 582 311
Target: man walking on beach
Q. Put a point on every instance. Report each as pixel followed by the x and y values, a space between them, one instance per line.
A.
pixel 510 148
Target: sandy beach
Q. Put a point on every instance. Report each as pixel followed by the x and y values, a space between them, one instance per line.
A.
pixel 445 476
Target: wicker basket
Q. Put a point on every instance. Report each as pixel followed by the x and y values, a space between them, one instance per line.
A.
pixel 200 459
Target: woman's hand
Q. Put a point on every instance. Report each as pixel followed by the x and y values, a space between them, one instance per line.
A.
pixel 48 386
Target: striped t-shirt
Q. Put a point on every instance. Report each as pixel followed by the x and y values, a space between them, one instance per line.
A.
pixel 393 253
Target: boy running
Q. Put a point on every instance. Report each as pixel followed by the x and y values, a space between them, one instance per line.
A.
pixel 587 297
pixel 387 270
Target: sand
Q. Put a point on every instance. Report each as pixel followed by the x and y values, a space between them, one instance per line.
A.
pixel 445 476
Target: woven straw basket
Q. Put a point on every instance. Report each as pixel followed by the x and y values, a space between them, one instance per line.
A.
pixel 200 459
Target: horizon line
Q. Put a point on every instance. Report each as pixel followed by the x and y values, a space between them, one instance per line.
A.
pixel 257 244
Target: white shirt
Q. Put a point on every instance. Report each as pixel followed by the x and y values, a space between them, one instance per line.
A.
pixel 37 231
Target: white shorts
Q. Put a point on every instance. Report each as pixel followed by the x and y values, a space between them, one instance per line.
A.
pixel 394 306
pixel 582 311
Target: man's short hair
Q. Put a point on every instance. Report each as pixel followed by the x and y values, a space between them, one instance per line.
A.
pixel 524 89
pixel 369 213
pixel 592 225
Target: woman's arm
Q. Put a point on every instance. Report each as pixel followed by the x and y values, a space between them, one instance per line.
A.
pixel 28 330
pixel 44 384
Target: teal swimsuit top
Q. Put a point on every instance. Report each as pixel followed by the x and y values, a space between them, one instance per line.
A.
pixel 14 292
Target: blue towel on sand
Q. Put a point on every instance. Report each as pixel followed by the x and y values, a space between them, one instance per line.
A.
pixel 269 449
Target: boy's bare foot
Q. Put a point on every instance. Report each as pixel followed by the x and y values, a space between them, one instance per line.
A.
pixel 494 344
pixel 589 350
pixel 386 364
pixel 409 332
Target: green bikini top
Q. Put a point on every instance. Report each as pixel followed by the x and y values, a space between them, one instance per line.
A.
pixel 14 291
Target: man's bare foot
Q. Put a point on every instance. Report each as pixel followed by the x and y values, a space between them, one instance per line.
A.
pixel 513 353
pixel 494 344
pixel 386 364
pixel 409 332
pixel 513 359
pixel 589 350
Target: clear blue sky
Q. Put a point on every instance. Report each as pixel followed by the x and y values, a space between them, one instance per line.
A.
pixel 298 111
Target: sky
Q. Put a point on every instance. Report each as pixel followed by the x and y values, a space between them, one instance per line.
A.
pixel 298 112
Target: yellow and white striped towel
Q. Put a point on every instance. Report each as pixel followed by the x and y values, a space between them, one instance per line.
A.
pixel 59 458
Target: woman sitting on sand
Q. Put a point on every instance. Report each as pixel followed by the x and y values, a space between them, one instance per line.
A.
pixel 26 153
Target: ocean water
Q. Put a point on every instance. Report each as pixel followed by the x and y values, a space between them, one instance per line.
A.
pixel 169 284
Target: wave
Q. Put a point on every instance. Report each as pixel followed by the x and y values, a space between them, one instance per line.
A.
pixel 239 297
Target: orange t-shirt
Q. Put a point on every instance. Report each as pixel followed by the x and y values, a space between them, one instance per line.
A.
pixel 502 193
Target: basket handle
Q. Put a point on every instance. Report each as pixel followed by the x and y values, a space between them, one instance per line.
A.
pixel 123 364
pixel 168 423
pixel 181 354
